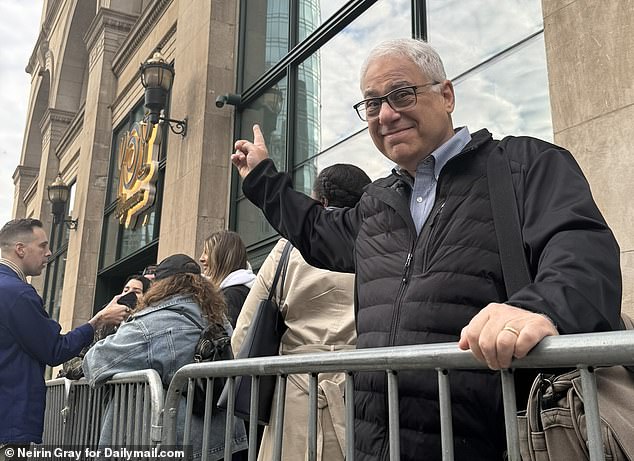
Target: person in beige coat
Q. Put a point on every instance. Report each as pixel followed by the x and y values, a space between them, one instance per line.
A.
pixel 318 308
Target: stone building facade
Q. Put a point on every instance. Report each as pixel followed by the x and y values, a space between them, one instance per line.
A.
pixel 561 69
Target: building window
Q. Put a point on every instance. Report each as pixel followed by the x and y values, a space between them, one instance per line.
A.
pixel 123 235
pixel 308 54
pixel 56 267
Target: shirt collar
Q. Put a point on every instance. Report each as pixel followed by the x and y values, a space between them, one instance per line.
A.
pixel 450 149
pixel 14 267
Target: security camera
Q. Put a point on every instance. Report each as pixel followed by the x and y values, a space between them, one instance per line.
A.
pixel 231 99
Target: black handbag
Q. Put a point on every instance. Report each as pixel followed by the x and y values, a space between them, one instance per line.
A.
pixel 262 340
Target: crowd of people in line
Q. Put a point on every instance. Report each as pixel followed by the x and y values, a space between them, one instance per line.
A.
pixel 161 314
pixel 408 259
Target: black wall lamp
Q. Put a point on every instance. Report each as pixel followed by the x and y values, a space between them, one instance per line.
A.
pixel 157 77
pixel 58 194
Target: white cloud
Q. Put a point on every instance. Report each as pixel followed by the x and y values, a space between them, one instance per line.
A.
pixel 18 32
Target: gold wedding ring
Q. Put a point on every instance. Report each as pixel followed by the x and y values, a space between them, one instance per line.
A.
pixel 512 330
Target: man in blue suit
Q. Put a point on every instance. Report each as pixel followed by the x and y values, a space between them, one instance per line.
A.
pixel 29 338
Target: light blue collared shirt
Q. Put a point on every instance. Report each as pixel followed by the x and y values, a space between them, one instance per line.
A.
pixel 427 173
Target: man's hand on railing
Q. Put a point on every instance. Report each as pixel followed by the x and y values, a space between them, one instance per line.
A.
pixel 500 332
pixel 113 314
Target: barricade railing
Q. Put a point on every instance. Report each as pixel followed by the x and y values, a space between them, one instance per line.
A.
pixel 582 351
pixel 75 411
pixel 56 413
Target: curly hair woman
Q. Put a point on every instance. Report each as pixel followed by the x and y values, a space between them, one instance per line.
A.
pixel 162 334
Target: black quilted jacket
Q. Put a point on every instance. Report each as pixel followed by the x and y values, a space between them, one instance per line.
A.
pixel 424 289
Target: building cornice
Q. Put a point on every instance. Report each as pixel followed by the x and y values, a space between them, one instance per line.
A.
pixel 24 171
pixel 56 116
pixel 108 19
pixel 71 132
pixel 139 33
pixel 53 9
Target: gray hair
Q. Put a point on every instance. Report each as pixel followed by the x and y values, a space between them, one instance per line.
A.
pixel 418 51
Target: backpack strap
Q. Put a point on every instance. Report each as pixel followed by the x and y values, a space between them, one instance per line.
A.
pixel 182 312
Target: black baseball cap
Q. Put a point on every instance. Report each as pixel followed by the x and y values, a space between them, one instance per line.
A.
pixel 176 264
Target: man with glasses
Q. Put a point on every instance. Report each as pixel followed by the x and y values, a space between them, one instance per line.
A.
pixel 423 247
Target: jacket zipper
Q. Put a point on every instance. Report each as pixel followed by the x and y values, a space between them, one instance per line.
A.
pixel 401 292
pixel 432 228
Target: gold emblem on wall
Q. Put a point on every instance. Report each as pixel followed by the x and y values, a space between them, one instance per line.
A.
pixel 138 173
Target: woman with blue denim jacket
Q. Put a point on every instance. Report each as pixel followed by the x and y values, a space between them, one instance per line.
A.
pixel 160 335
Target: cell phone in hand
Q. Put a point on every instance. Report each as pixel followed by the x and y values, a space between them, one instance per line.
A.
pixel 129 299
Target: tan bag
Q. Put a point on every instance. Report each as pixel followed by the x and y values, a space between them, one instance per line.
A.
pixel 553 427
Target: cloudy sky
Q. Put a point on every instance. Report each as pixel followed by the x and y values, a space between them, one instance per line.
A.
pixel 19 26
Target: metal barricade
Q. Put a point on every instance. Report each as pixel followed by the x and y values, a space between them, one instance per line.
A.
pixel 581 351
pixel 136 399
pixel 55 415
pixel 75 411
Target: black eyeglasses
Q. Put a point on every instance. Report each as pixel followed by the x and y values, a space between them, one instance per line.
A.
pixel 399 99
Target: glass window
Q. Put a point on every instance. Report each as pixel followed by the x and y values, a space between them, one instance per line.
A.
pixel 269 111
pixel 509 96
pixel 119 241
pixel 253 228
pixel 312 13
pixel 328 81
pixel 467 33
pixel 266 37
pixel 135 116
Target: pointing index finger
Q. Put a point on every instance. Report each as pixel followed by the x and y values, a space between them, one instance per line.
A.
pixel 258 138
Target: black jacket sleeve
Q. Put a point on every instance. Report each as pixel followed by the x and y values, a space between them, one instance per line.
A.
pixel 324 237
pixel 572 253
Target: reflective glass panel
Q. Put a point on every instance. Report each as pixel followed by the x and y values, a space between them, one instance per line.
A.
pixel 358 150
pixel 266 37
pixel 313 13
pixel 252 226
pixel 119 242
pixel 509 96
pixel 328 81
pixel 117 139
pixel 269 111
pixel 58 286
pixel 467 33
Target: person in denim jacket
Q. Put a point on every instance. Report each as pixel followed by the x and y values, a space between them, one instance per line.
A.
pixel 160 335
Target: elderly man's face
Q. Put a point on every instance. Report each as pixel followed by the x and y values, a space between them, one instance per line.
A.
pixel 408 136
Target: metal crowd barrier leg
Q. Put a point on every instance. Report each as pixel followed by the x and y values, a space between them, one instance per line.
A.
pixel 187 436
pixel 510 415
pixel 312 417
pixel 56 411
pixel 209 394
pixel 253 417
pixel 230 419
pixel 446 426
pixel 593 419
pixel 349 395
pixel 138 415
pixel 278 428
pixel 393 416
